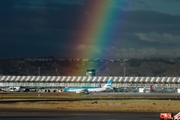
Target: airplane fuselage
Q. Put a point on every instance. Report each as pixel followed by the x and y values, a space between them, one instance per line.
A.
pixel 106 87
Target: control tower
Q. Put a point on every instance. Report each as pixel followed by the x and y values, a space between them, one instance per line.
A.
pixel 91 72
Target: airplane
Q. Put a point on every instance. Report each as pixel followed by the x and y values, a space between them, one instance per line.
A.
pixel 106 87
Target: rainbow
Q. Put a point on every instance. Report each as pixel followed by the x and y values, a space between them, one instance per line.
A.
pixel 97 28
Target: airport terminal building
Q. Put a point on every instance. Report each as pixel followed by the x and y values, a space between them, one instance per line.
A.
pixel 125 83
pixel 120 83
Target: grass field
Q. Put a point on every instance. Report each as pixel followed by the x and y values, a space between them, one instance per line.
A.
pixel 74 104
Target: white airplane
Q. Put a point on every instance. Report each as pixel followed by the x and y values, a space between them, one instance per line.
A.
pixel 106 87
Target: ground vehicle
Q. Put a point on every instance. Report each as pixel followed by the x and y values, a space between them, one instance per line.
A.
pixel 169 116
pixel 16 89
pixel 166 116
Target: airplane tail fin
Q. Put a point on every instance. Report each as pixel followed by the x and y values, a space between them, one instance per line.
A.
pixel 108 84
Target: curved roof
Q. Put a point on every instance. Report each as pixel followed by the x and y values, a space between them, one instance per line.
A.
pixel 116 79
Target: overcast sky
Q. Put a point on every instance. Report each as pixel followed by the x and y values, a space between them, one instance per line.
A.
pixel 36 28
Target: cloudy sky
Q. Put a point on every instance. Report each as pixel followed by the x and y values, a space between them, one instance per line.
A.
pixel 36 28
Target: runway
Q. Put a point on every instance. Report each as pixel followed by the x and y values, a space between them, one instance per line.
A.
pixel 135 94
pixel 35 114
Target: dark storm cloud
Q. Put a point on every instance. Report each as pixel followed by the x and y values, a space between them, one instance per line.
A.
pixel 150 21
pixel 147 33
pixel 35 30
pixel 141 3
pixel 51 28
pixel 8 3
pixel 173 0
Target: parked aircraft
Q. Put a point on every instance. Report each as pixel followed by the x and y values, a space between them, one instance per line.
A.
pixel 106 87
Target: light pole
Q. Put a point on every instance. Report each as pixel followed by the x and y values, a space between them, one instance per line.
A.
pixel 57 71
pixel 19 70
pixel 124 71
pixel 39 70
pixel 27 73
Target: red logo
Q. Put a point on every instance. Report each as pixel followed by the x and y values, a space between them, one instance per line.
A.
pixel 162 116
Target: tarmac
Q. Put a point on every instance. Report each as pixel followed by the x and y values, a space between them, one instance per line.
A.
pixel 136 94
pixel 40 114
